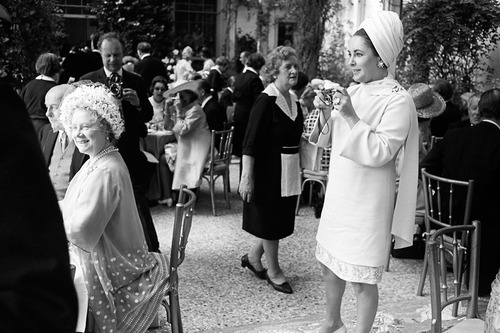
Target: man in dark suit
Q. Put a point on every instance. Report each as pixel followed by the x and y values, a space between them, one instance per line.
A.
pixel 148 67
pixel 215 113
pixel 36 289
pixel 62 157
pixel 473 152
pixel 137 110
pixel 226 97
pixel 215 76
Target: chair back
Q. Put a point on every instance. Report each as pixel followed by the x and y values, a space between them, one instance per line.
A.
pixel 221 148
pixel 434 141
pixel 182 227
pixel 447 201
pixel 325 159
pixel 439 251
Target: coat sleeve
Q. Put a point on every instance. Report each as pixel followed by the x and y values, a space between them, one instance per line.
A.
pixel 255 135
pixel 90 215
pixel 190 121
pixel 375 147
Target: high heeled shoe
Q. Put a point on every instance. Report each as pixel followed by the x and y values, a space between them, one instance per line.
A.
pixel 284 287
pixel 246 263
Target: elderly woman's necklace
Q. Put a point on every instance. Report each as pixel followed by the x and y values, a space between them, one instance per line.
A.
pixel 91 167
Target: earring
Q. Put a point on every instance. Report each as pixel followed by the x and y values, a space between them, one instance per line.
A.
pixel 380 64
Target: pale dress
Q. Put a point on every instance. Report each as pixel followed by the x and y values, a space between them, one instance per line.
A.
pixel 193 145
pixel 355 226
pixel 125 283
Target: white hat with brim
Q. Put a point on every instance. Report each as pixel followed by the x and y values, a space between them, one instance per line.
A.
pixel 429 104
pixel 189 85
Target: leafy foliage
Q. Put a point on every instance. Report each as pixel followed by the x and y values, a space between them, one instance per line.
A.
pixel 137 21
pixel 448 39
pixel 35 29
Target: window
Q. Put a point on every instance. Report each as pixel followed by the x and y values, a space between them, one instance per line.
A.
pixel 286 33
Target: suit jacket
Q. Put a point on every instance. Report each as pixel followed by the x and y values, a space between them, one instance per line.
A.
pixel 226 98
pixel 473 152
pixel 48 140
pixel 247 87
pixel 149 67
pixel 216 82
pixel 216 115
pixel 135 120
pixel 35 280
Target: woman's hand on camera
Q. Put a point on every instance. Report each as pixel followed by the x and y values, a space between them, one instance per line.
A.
pixel 130 95
pixel 342 103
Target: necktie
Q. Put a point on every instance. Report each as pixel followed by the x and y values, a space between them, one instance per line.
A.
pixel 64 140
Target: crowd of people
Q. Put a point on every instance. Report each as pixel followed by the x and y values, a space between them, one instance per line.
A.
pixel 88 157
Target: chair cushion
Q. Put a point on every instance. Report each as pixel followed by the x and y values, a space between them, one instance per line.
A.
pixel 468 326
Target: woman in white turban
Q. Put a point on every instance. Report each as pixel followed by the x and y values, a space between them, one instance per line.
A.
pixel 369 125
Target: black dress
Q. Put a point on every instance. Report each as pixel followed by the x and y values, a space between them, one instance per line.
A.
pixel 269 215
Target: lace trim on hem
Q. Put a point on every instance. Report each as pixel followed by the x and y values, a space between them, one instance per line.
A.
pixel 349 272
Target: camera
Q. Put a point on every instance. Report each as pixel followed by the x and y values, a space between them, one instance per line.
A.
pixel 114 84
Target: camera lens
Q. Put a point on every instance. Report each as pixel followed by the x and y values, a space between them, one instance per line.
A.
pixel 116 90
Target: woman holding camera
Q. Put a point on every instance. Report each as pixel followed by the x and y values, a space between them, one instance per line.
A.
pixel 370 127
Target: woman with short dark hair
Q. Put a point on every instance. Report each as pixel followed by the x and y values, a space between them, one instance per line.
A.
pixel 48 67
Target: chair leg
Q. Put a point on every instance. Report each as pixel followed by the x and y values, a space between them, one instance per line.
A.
pixel 425 267
pixel 225 180
pixel 212 194
pixel 176 314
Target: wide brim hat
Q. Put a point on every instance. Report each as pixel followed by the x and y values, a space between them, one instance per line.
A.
pixel 189 85
pixel 429 104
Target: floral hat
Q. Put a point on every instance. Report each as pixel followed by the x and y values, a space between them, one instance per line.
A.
pixel 95 98
pixel 429 104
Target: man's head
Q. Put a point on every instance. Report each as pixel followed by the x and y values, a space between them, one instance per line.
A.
pixel 203 90
pixel 94 40
pixel 53 100
pixel 143 48
pixel 222 63
pixel 244 56
pixel 111 50
pixel 489 105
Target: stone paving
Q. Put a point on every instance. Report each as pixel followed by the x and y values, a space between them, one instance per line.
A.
pixel 218 295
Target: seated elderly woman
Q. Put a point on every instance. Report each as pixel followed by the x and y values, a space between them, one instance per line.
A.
pixel 193 140
pixel 125 283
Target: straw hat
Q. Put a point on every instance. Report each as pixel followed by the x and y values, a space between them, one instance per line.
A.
pixel 189 85
pixel 429 103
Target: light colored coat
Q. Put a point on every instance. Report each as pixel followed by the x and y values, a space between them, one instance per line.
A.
pixel 360 209
pixel 193 139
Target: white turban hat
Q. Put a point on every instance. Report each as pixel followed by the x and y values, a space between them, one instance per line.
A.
pixel 386 33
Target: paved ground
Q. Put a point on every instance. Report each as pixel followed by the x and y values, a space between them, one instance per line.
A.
pixel 218 295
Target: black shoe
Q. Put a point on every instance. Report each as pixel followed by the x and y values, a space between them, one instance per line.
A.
pixel 284 287
pixel 246 263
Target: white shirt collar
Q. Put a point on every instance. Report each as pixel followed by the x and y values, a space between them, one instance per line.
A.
pixel 217 69
pixel 205 101
pixel 249 69
pixel 272 90
pixel 45 78
pixel 108 72
pixel 492 122
pixel 230 89
pixel 145 55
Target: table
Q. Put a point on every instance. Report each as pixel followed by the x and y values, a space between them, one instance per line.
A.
pixel 154 144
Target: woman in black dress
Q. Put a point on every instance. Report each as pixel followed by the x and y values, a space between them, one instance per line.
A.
pixel 270 180
pixel 247 87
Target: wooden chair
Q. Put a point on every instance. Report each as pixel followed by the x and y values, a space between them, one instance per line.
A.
pixel 220 160
pixel 182 227
pixel 465 239
pixel 320 176
pixel 447 202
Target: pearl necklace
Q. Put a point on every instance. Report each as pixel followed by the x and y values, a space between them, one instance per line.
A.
pixel 91 167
